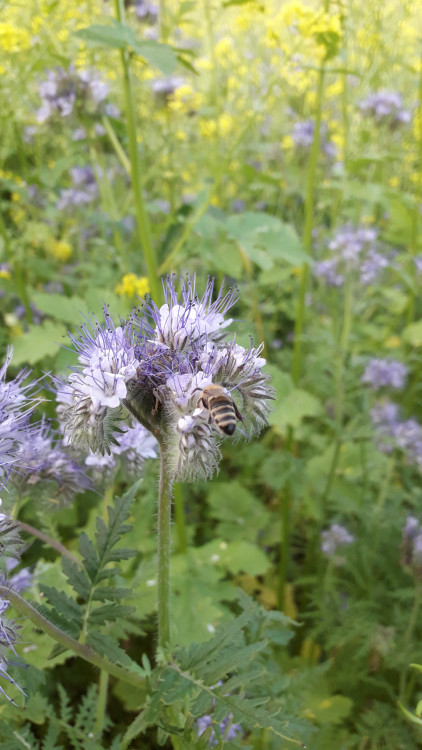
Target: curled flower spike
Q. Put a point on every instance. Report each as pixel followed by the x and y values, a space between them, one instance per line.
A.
pixel 162 375
pixel 16 407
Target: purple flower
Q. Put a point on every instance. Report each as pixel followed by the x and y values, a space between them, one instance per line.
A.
pixel 84 190
pixel 303 134
pixel 16 408
pixel 163 88
pixel 333 538
pixel 65 91
pixel 225 729
pixel 353 248
pixel 156 366
pixel 418 263
pixel 45 466
pixel 132 448
pixel 147 12
pixel 386 107
pixel 394 434
pixel 385 372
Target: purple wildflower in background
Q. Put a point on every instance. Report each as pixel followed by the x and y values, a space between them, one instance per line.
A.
pixel 418 263
pixel 155 366
pixel 84 190
pixel 225 729
pixel 64 92
pixel 333 538
pixel 386 107
pixel 392 433
pixel 45 466
pixel 385 372
pixel 165 87
pixel 303 134
pixel 147 12
pixel 353 248
pixel 16 407
pixel 18 582
pixel 133 447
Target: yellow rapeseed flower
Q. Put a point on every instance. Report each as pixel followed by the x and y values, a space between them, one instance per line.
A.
pixel 132 285
pixel 13 39
pixel 59 249
pixel 5 274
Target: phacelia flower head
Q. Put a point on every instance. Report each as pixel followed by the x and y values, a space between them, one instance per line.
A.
pixel 385 372
pixel 134 445
pixel 303 135
pixel 159 366
pixel 386 107
pixel 65 92
pixel 353 249
pixel 393 433
pixel 16 407
pixel 46 468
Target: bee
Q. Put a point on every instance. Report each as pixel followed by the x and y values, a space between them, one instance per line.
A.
pixel 223 410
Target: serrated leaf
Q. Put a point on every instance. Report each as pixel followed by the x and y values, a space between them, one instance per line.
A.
pixel 63 604
pixel 76 577
pixel 159 55
pixel 40 341
pixel 109 613
pixel 89 555
pixel 107 646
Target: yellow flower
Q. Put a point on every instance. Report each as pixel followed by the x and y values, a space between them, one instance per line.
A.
pixel 59 249
pixel 225 124
pixel 393 342
pixel 13 39
pixel 5 273
pixel 132 285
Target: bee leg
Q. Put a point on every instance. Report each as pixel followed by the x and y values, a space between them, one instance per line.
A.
pixel 237 412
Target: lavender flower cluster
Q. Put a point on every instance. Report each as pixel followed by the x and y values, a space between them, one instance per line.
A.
pixel 156 366
pixel 16 407
pixel 64 92
pixel 386 107
pixel 83 191
pixel 303 135
pixel 11 546
pixel 380 373
pixel 353 248
pixel 392 433
pixel 412 546
pixel 227 729
pixel 332 538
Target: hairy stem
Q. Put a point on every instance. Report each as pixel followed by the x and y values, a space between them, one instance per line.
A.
pixel 102 701
pixel 48 540
pixel 164 517
pixel 142 218
pixel 180 518
pixel 80 649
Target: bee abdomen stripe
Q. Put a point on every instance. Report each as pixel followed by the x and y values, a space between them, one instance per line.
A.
pixel 221 411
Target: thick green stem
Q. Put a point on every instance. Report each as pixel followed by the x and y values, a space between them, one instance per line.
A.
pixel 142 219
pixel 307 232
pixel 180 519
pixel 80 649
pixel 164 518
pixel 102 701
pixel 48 540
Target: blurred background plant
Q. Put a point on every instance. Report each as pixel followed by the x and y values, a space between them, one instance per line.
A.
pixel 278 145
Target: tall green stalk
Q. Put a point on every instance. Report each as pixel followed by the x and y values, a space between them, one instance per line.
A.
pixel 142 218
pixel 307 232
pixel 164 518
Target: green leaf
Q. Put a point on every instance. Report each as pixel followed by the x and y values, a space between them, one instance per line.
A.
pixel 412 334
pixel 265 238
pixel 63 604
pixel 295 407
pixel 39 342
pixel 115 36
pixel 109 613
pixel 107 646
pixel 159 55
pixel 119 36
pixel 76 577
pixel 241 515
pixel 89 555
pixel 65 309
